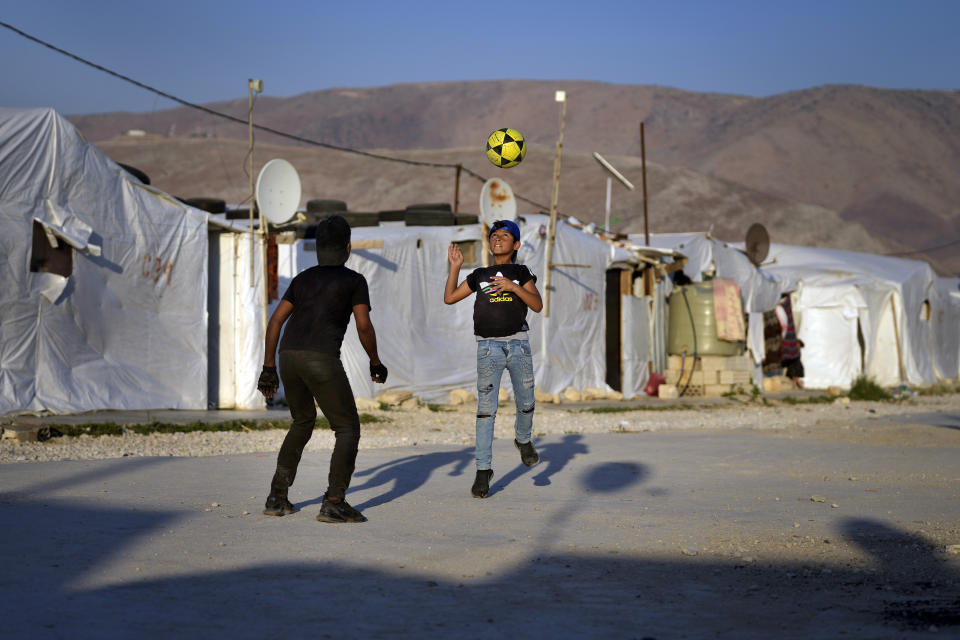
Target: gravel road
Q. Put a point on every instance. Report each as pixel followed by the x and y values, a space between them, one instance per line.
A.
pixel 841 420
pixel 690 520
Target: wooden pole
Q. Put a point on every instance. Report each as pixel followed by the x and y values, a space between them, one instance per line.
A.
pixel 554 201
pixel 647 274
pixel 486 243
pixel 643 166
pixel 896 337
pixel 456 190
pixel 606 207
pixel 253 199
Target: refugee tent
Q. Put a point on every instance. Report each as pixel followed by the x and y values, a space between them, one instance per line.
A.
pixel 856 313
pixel 429 346
pixel 102 279
pixel 237 314
pixel 946 329
pixel 845 298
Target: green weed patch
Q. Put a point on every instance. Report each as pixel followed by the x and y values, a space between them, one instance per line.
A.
pixel 114 429
pixel 864 388
pixel 673 407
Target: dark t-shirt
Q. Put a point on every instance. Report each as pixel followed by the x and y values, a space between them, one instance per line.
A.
pixel 503 314
pixel 323 299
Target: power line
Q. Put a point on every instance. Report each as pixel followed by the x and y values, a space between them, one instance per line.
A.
pixel 226 116
pixel 925 250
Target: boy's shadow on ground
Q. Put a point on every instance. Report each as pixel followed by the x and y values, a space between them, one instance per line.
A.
pixel 554 456
pixel 407 474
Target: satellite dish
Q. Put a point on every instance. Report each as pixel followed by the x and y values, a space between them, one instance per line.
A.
pixel 497 202
pixel 757 244
pixel 278 191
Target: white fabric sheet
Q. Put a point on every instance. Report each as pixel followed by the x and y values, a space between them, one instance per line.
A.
pixel 127 328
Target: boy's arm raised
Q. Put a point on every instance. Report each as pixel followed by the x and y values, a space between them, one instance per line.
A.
pixel 451 292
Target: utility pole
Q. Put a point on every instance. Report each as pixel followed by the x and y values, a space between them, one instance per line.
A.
pixel 643 166
pixel 647 274
pixel 456 189
pixel 561 97
pixel 252 86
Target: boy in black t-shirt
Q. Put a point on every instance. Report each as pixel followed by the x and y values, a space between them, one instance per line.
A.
pixel 319 303
pixel 504 291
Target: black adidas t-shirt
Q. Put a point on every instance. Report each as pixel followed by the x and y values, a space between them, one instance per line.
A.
pixel 323 298
pixel 503 314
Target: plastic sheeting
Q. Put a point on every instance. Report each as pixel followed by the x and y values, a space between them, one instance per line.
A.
pixel 637 336
pixel 696 247
pixel 429 347
pixel 127 328
pixel 885 296
pixel 237 322
pixel 946 327
pixel 908 319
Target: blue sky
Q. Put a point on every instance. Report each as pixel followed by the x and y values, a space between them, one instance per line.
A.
pixel 205 51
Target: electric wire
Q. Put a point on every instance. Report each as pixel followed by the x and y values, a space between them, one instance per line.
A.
pixel 924 250
pixel 277 132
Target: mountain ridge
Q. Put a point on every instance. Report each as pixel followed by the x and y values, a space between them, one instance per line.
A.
pixel 881 159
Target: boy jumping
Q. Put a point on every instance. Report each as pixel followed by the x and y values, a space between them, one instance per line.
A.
pixel 504 291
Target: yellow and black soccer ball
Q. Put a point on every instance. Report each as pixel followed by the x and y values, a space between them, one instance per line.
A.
pixel 506 147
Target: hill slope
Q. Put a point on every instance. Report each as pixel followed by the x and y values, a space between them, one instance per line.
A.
pixel 885 159
pixel 678 199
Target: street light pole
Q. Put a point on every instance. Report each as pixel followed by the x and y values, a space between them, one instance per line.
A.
pixel 612 173
pixel 606 207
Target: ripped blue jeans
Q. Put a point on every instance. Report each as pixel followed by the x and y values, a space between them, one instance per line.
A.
pixel 493 356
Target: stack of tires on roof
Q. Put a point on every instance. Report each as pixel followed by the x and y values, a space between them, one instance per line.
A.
pixel 416 215
pixel 431 214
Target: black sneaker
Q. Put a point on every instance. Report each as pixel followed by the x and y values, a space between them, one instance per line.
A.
pixel 278 506
pixel 338 512
pixel 528 455
pixel 481 486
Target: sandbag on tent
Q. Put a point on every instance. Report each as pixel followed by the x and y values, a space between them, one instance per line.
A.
pixel 102 279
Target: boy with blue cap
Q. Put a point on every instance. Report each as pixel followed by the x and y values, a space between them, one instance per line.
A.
pixel 505 290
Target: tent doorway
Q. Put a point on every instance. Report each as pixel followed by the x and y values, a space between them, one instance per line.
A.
pixel 613 324
pixel 618 320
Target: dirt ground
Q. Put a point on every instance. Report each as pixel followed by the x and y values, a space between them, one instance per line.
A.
pixel 828 529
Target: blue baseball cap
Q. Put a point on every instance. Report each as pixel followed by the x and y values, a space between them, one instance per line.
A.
pixel 509 225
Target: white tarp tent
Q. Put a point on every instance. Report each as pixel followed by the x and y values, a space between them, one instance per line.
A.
pixel 908 323
pixel 125 326
pixel 429 346
pixel 946 329
pixel 890 300
pixel 237 315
